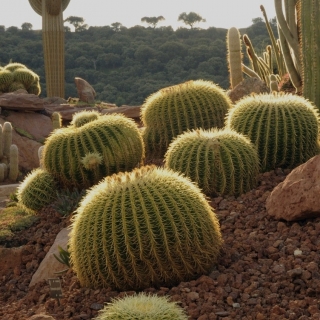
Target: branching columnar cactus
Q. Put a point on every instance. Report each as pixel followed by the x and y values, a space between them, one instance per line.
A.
pixel 221 162
pixel 9 154
pixel 53 43
pixel 283 127
pixel 171 111
pixel 81 156
pixel 146 228
pixel 234 56
pixel 142 306
pixel 37 190
pixel 16 76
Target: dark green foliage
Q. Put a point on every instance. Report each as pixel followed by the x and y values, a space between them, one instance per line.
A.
pixel 173 110
pixel 221 162
pixel 283 127
pixel 37 190
pixel 146 228
pixel 81 156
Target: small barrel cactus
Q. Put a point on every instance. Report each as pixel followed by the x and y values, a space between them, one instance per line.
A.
pixel 83 117
pixel 149 227
pixel 142 306
pixel 6 79
pixel 12 66
pixel 222 162
pixel 37 190
pixel 81 156
pixel 171 111
pixel 283 127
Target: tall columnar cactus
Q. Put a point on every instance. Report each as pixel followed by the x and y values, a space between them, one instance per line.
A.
pixel 283 127
pixel 234 56
pixel 37 190
pixel 56 120
pixel 142 306
pixel 146 228
pixel 300 37
pixel 81 156
pixel 13 163
pixel 221 162
pixel 6 140
pixel 171 111
pixel 53 43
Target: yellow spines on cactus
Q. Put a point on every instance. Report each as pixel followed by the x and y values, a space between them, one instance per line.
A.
pixel 24 76
pixel 6 79
pixel 283 127
pixel 14 65
pixel 171 111
pixel 144 228
pixel 221 162
pixel 142 306
pixel 56 120
pixel 81 118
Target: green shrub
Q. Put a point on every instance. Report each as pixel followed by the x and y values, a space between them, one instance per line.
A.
pixel 146 228
pixel 283 127
pixel 221 162
pixel 171 111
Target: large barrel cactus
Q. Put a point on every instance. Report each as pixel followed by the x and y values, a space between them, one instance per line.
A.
pixel 149 227
pixel 222 162
pixel 37 190
pixel 283 127
pixel 81 156
pixel 171 111
pixel 142 306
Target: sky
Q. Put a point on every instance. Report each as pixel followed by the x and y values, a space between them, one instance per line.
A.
pixel 219 14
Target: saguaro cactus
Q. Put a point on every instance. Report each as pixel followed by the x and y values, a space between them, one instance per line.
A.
pixel 53 42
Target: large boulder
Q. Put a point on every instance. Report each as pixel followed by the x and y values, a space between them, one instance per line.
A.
pixel 85 91
pixel 297 197
pixel 19 100
pixel 50 265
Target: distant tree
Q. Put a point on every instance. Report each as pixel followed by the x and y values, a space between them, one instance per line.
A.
pixel 153 21
pixel 257 20
pixel 77 22
pixel 190 19
pixel 26 26
pixel 116 26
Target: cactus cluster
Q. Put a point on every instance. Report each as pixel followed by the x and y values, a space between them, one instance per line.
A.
pixel 172 110
pixel 9 154
pixel 142 306
pixel 221 162
pixel 16 76
pixel 81 155
pixel 283 127
pixel 148 227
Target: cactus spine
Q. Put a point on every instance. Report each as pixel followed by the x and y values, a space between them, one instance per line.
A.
pixel 145 228
pixel 53 43
pixel 142 306
pixel 234 56
pixel 115 138
pixel 283 127
pixel 171 111
pixel 221 162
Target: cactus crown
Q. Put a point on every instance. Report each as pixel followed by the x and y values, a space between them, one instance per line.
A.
pixel 152 226
pixel 171 111
pixel 283 127
pixel 220 161
pixel 81 118
pixel 142 306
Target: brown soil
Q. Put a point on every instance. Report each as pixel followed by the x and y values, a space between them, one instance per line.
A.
pixel 268 269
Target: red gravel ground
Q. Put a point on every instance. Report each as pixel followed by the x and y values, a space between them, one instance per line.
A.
pixel 268 269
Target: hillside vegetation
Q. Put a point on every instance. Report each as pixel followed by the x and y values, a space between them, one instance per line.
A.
pixel 126 65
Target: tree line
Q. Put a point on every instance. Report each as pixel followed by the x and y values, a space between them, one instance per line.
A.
pixel 125 65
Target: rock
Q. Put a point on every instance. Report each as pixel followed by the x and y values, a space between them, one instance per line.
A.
pixel 50 265
pixel 10 258
pixel 54 100
pixel 246 87
pixel 21 101
pixel 66 111
pixel 129 111
pixel 297 197
pixel 41 317
pixel 85 91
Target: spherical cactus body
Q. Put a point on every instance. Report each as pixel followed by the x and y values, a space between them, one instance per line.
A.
pixel 221 162
pixel 6 79
pixel 142 307
pixel 146 228
pixel 37 190
pixel 171 111
pixel 14 65
pixel 283 127
pixel 81 118
pixel 114 138
pixel 24 76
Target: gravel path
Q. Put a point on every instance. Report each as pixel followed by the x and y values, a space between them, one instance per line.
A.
pixel 268 269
